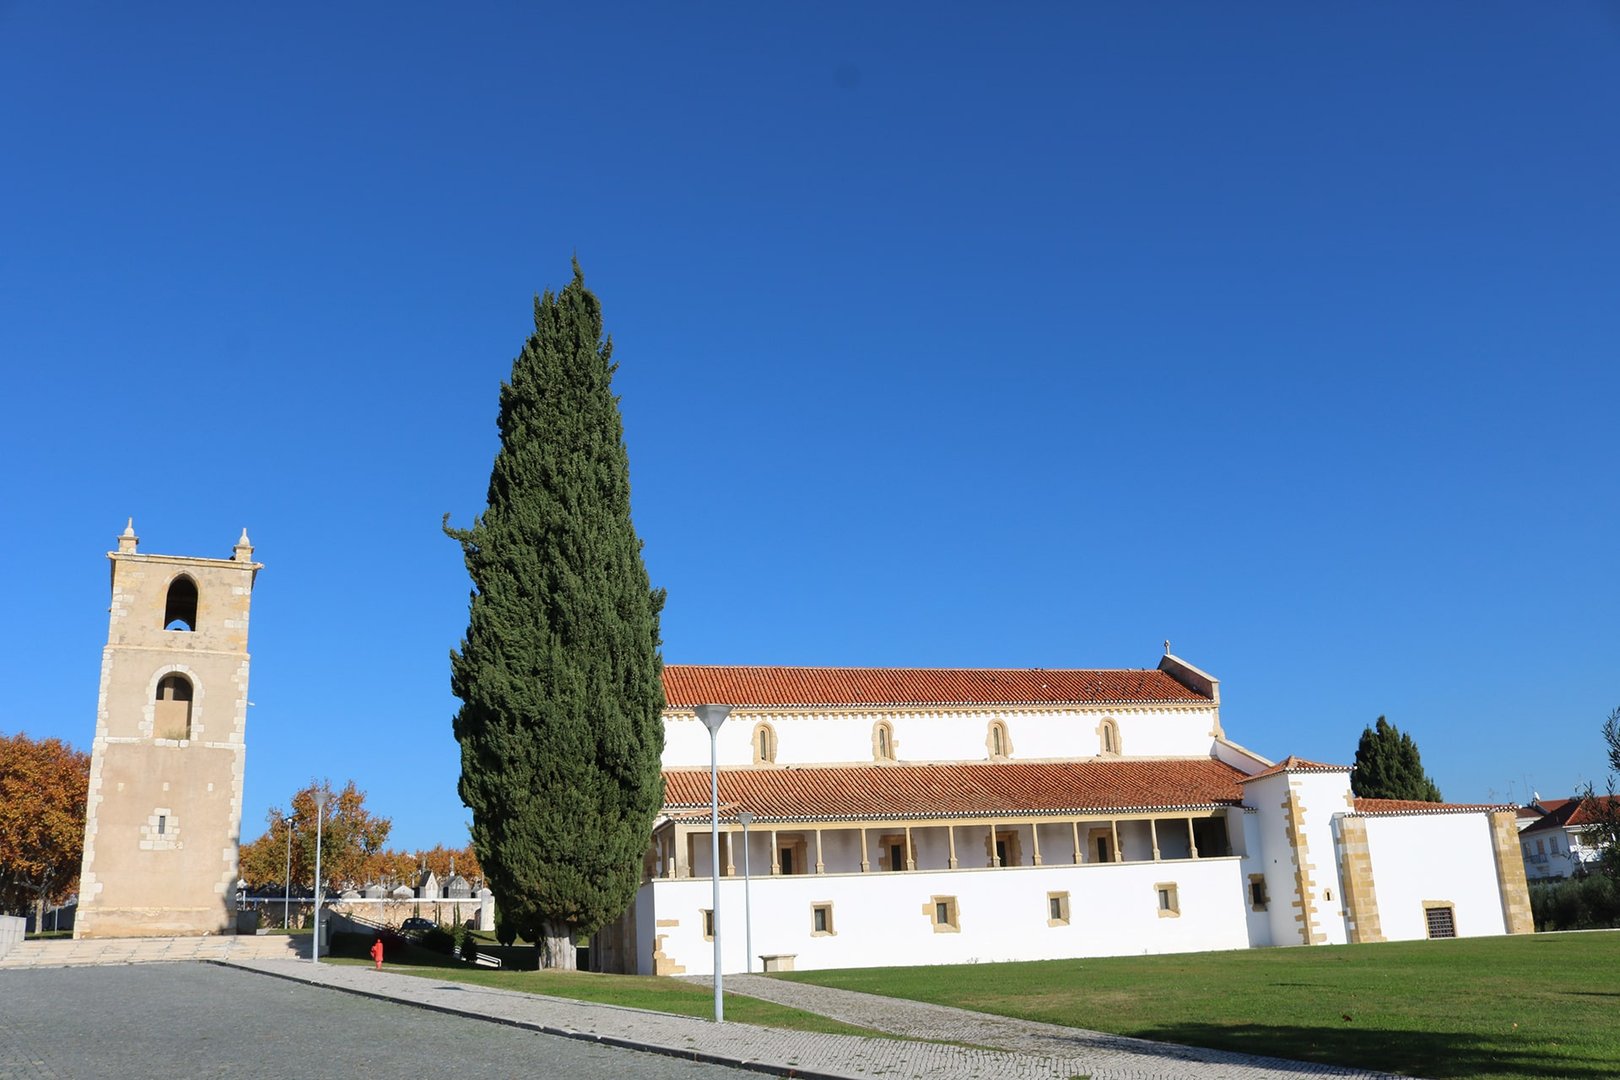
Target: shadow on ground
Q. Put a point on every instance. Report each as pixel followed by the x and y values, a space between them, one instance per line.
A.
pixel 1436 1055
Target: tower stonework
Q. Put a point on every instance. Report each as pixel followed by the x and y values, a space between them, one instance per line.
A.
pixel 165 808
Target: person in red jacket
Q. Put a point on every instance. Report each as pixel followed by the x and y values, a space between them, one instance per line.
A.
pixel 376 952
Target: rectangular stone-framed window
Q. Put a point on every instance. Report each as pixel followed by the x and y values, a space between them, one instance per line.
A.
pixel 1257 892
pixel 708 923
pixel 941 911
pixel 1440 918
pixel 1057 909
pixel 1168 901
pixel 821 919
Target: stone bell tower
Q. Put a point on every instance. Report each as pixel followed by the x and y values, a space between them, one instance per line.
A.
pixel 165 807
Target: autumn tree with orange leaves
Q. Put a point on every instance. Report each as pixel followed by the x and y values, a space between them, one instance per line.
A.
pixel 351 836
pixel 352 851
pixel 43 788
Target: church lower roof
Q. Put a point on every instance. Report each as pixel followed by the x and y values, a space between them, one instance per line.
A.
pixel 747 686
pixel 1413 806
pixel 981 789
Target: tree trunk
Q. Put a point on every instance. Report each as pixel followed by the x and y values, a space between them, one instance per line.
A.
pixel 39 914
pixel 556 947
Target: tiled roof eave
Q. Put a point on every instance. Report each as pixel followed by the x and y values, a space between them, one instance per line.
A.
pixel 1481 809
pixel 698 813
pixel 978 706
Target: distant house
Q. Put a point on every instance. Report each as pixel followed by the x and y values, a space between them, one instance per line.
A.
pixel 1555 844
pixel 924 816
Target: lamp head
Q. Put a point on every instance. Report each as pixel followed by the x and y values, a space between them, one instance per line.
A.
pixel 712 715
pixel 745 818
pixel 320 799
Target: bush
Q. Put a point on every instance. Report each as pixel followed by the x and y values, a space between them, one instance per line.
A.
pixel 438 940
pixel 1585 903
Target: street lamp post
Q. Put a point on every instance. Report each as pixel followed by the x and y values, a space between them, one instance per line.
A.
pixel 747 819
pixel 713 716
pixel 320 815
pixel 286 896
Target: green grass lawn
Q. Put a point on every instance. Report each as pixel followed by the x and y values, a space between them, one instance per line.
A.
pixel 636 991
pixel 1492 1008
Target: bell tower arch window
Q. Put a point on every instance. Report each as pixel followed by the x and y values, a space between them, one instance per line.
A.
pixel 180 609
pixel 171 714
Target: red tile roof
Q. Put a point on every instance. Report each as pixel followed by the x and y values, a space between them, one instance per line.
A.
pixel 1414 806
pixel 686 685
pixel 1296 764
pixel 1573 813
pixel 894 792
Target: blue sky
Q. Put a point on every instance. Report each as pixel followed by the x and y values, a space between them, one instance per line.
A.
pixel 948 336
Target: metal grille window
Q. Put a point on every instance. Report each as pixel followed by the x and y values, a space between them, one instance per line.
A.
pixel 1442 922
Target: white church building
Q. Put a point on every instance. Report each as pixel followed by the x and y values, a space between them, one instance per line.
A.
pixel 919 816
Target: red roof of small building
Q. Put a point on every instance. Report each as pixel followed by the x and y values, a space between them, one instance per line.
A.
pixel 746 686
pixel 1573 813
pixel 1416 806
pixel 893 792
pixel 1296 764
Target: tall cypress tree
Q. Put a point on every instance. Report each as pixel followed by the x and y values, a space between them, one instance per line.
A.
pixel 560 675
pixel 1388 766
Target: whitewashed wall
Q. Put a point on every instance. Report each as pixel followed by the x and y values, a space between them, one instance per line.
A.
pixel 1444 857
pixel 885 919
pixel 1322 796
pixel 841 738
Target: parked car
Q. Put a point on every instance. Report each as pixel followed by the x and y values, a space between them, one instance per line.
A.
pixel 417 925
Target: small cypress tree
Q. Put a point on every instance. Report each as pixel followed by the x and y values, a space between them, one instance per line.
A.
pixel 1388 766
pixel 560 675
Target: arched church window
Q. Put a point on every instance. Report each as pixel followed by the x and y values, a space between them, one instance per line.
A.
pixel 180 610
pixel 882 741
pixel 1108 733
pixel 997 741
pixel 764 744
pixel 171 714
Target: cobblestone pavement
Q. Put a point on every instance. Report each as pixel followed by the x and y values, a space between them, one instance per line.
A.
pixel 186 1021
pixel 806 1054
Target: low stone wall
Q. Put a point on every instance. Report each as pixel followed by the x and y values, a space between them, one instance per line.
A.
pixel 11 932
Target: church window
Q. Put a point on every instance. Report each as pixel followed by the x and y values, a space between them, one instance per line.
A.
pixel 882 741
pixel 821 920
pixel 1441 920
pixel 1169 901
pixel 708 924
pixel 180 609
pixel 1109 734
pixel 997 741
pixel 943 915
pixel 171 717
pixel 1257 892
pixel 764 744
pixel 1057 909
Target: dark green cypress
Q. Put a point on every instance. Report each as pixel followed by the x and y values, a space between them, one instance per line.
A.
pixel 560 675
pixel 1388 766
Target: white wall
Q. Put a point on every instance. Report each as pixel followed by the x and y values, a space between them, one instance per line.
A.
pixel 885 919
pixel 1321 797
pixel 1444 857
pixel 11 932
pixel 845 737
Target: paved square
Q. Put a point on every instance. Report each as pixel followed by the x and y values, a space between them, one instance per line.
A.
pixel 177 1021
